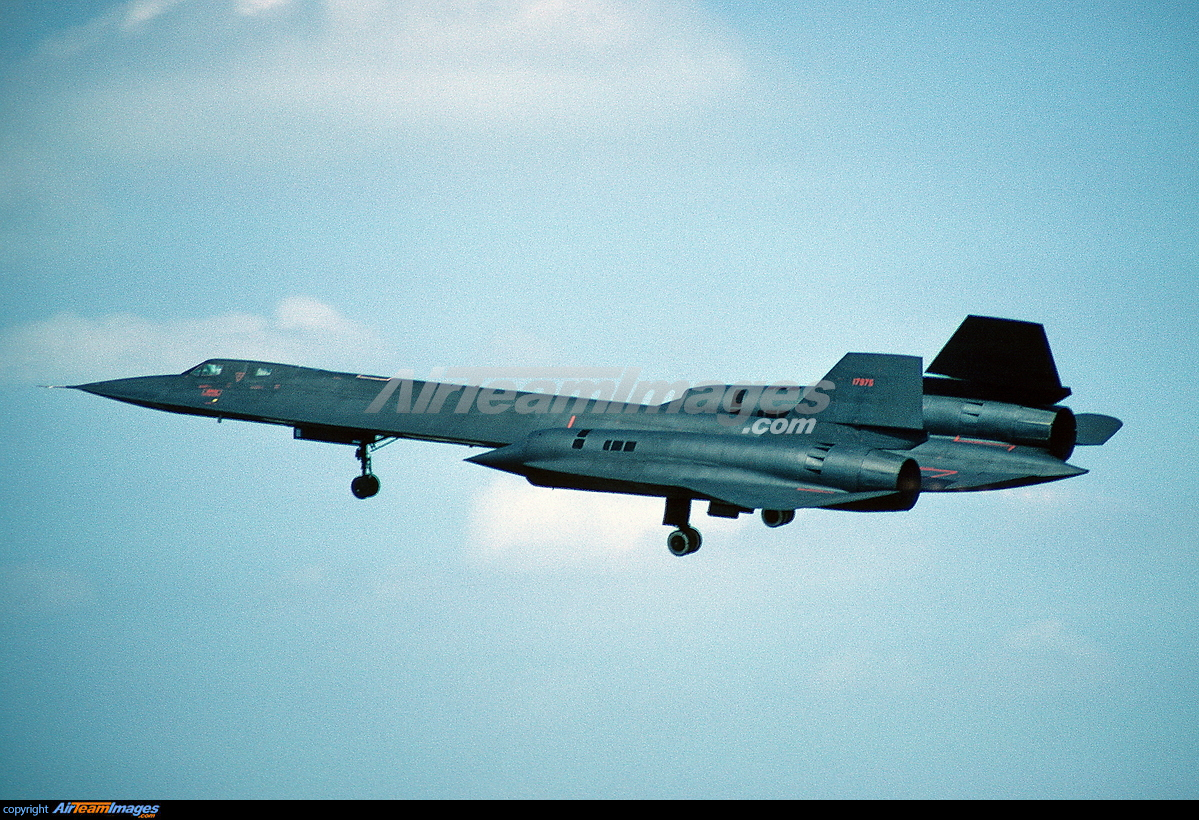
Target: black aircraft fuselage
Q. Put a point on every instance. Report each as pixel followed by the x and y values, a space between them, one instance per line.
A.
pixel 871 436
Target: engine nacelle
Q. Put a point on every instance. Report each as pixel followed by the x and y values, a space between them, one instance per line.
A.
pixel 858 469
pixel 1053 429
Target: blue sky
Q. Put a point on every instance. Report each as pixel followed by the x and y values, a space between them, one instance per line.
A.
pixel 706 191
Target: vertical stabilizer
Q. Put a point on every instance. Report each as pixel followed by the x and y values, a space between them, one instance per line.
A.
pixel 999 359
pixel 876 390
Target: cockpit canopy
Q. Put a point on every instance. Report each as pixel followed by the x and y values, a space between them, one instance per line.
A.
pixel 215 367
pixel 206 369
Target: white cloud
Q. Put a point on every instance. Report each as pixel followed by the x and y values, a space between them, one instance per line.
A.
pixel 514 522
pixel 143 11
pixel 1045 658
pixel 68 348
pixel 1052 638
pixel 303 314
pixel 377 68
pixel 251 7
pixel 31 589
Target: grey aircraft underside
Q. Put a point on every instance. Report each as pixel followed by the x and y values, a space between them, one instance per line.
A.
pixel 870 437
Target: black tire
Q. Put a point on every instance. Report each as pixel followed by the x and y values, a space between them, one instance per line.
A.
pixel 364 486
pixel 683 541
pixel 777 518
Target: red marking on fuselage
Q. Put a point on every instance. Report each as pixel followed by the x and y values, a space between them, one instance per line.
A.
pixel 571 423
pixel 938 472
pixel 1008 447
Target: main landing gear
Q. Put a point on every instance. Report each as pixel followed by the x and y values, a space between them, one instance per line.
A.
pixel 367 484
pixel 686 539
pixel 777 518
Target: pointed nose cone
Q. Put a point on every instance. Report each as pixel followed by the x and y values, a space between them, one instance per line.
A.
pixel 144 390
pixel 501 458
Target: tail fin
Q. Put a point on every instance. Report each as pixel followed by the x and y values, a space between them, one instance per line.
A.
pixel 876 390
pixel 1095 428
pixel 999 359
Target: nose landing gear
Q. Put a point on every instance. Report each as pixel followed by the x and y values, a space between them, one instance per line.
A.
pixel 367 484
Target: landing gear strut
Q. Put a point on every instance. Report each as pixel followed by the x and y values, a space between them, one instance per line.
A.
pixel 686 539
pixel 367 484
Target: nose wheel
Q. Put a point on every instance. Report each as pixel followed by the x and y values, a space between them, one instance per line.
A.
pixel 367 484
pixel 364 486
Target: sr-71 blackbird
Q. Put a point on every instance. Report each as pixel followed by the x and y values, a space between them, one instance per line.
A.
pixel 870 436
